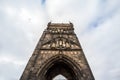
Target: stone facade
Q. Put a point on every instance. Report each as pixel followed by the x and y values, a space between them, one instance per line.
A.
pixel 58 52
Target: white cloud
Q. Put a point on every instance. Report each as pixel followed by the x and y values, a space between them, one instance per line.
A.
pixel 21 25
pixel 104 46
pixel 96 24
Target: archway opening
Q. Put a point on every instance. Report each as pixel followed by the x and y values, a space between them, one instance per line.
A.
pixel 59 77
pixel 65 70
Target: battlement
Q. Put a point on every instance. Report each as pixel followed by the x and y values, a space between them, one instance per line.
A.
pixel 60 25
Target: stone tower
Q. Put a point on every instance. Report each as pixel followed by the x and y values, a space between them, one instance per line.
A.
pixel 58 52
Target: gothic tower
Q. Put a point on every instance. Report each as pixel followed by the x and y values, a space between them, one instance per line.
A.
pixel 58 52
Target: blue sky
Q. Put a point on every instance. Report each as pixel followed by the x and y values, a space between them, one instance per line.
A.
pixel 96 23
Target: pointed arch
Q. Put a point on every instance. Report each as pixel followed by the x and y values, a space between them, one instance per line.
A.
pixel 60 64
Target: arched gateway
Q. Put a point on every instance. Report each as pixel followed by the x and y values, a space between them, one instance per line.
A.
pixel 58 53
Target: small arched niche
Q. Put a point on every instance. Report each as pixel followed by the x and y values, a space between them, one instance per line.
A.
pixel 59 77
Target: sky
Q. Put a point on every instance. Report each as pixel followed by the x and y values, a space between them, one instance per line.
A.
pixel 96 23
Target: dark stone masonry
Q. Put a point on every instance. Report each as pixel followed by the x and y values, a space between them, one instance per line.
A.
pixel 58 52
